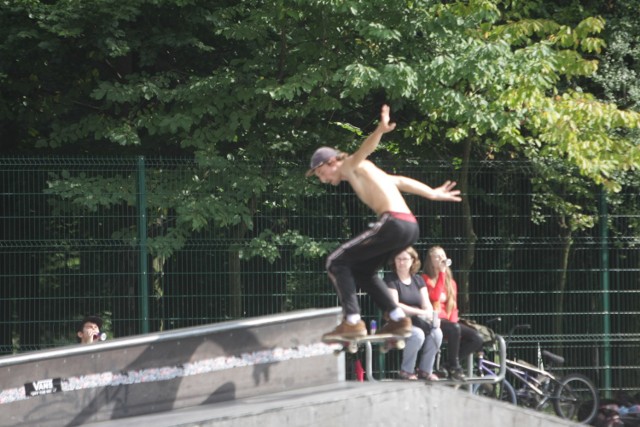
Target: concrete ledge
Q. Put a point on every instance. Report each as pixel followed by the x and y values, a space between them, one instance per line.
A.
pixel 385 404
pixel 165 371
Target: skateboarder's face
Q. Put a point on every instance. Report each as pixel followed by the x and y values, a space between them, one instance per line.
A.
pixel 328 173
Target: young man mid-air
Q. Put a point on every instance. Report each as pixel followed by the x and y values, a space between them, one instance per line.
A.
pixel 354 264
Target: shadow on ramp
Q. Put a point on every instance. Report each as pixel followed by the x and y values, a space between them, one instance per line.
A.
pixel 169 370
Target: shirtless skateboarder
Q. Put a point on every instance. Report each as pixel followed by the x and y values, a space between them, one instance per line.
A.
pixel 354 264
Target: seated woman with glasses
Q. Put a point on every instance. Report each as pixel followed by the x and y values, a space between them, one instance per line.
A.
pixel 409 291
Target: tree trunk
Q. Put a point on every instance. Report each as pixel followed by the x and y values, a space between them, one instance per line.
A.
pixel 561 284
pixel 158 266
pixel 236 291
pixel 235 284
pixel 469 234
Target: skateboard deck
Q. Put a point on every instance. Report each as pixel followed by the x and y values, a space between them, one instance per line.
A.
pixel 386 341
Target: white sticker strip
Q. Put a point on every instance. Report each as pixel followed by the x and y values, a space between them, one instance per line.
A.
pixel 165 373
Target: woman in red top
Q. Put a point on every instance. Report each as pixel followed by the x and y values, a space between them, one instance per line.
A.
pixel 443 293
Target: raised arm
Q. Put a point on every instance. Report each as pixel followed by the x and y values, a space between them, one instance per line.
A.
pixel 444 193
pixel 371 143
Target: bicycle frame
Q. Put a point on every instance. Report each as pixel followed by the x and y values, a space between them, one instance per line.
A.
pixel 487 367
pixel 529 376
pixel 495 377
pixel 534 379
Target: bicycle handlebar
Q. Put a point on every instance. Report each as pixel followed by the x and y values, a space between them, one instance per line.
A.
pixel 515 328
pixel 520 326
pixel 494 320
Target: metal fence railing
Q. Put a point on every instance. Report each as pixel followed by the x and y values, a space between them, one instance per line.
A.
pixel 64 254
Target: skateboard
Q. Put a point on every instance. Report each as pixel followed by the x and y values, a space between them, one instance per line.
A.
pixel 386 341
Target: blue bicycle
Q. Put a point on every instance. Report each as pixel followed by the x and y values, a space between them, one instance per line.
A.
pixel 572 396
pixel 502 390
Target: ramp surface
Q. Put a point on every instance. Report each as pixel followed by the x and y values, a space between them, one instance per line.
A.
pixel 384 404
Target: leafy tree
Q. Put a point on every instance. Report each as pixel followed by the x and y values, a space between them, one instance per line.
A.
pixel 509 87
pixel 235 85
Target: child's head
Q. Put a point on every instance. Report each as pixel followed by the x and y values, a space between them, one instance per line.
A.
pixel 88 328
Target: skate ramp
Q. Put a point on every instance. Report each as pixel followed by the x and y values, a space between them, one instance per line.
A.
pixel 156 373
pixel 384 404
pixel 265 372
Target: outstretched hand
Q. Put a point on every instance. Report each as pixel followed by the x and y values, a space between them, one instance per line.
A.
pixel 446 193
pixel 384 126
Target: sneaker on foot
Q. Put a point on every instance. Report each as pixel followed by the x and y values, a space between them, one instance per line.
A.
pixel 457 374
pixel 347 330
pixel 401 327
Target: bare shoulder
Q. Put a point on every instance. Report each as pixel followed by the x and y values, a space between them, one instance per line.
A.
pixel 367 166
pixel 351 165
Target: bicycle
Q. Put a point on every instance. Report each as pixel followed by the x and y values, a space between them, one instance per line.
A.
pixel 572 396
pixel 501 390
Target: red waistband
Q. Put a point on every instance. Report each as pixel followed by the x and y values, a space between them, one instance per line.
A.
pixel 404 216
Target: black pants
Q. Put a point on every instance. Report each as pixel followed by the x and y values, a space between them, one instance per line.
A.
pixel 355 264
pixel 461 342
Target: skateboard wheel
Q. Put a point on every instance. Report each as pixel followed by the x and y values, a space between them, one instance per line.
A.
pixel 384 349
pixel 400 345
pixel 353 348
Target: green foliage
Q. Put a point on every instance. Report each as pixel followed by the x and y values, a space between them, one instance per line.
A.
pixel 267 245
pixel 617 77
pixel 564 193
pixel 90 193
pixel 237 85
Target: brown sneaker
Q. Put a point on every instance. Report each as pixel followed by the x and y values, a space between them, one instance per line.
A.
pixel 401 327
pixel 347 330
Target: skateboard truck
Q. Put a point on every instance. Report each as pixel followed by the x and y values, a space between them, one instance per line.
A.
pixel 386 341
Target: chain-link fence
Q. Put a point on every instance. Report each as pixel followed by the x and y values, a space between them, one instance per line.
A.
pixel 72 245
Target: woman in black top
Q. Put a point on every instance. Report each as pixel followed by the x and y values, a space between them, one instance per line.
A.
pixel 410 293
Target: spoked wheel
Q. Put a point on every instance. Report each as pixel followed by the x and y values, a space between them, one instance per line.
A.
pixel 576 399
pixel 502 391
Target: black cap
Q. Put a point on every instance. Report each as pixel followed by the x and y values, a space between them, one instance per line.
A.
pixel 321 156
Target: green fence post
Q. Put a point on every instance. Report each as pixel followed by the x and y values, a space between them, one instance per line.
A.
pixel 143 280
pixel 606 304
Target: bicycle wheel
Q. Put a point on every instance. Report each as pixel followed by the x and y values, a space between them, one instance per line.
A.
pixel 576 398
pixel 502 391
